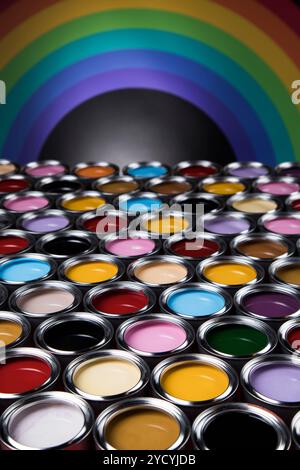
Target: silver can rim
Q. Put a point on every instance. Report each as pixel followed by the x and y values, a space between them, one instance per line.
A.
pixel 151 183
pixel 164 365
pixel 37 256
pixel 20 320
pixel 102 355
pixel 250 366
pixel 168 243
pixel 21 234
pixel 24 194
pixel 160 258
pixel 134 234
pixel 155 163
pixel 29 288
pixel 44 327
pixel 45 357
pixel 141 403
pixel 163 300
pixel 249 196
pixel 262 288
pixel 235 242
pixel 41 163
pixel 46 397
pixel 209 325
pixel 121 332
pixel 43 213
pixel 81 165
pixel 181 198
pixel 260 272
pixel 283 263
pixel 207 416
pixel 232 215
pixel 283 332
pixel 205 163
pixel 49 237
pixel 96 185
pixel 76 195
pixel 106 287
pixel 75 260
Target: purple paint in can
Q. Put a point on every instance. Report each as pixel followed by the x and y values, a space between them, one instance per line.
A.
pixel 46 223
pixel 271 304
pixel 248 172
pixel 277 381
pixel 226 225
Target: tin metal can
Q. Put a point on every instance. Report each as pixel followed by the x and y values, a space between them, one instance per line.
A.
pixel 21 322
pixel 64 201
pixel 273 390
pixel 118 390
pixel 288 337
pixel 292 203
pixel 196 169
pixel 46 272
pixel 165 223
pixel 108 222
pixel 247 170
pixel 70 264
pixel 181 340
pixel 262 247
pixel 130 247
pixel 228 224
pixel 282 223
pixel 286 272
pixel 221 306
pixel 235 186
pixel 108 169
pixel 192 408
pixel 272 303
pixel 51 168
pixel 139 205
pixel 267 337
pixel 139 405
pixel 288 169
pixel 255 272
pixel 58 185
pixel 173 270
pixel 261 416
pixel 119 301
pixel 133 169
pixel 49 373
pixel 48 221
pixel 14 184
pixel 169 186
pixel 14 241
pixel 69 335
pixel 62 245
pixel 191 202
pixel 33 301
pixel 13 202
pixel 127 185
pixel 78 434
pixel 295 426
pixel 271 185
pixel 12 167
pixel 254 204
pixel 195 249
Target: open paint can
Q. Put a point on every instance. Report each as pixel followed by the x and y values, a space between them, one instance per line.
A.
pixel 251 427
pixel 141 424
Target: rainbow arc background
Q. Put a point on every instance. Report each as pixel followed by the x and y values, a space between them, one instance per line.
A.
pixel 235 60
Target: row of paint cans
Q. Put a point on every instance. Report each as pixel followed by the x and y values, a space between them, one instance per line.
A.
pixel 145 170
pixel 131 245
pixel 46 409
